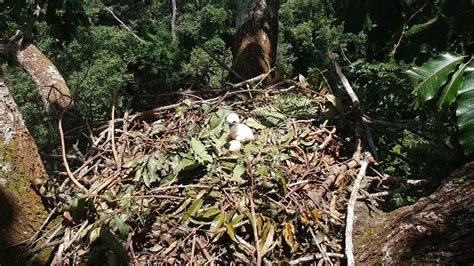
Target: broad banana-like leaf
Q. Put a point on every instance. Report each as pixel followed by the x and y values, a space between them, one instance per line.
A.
pixel 429 78
pixel 451 89
pixel 465 111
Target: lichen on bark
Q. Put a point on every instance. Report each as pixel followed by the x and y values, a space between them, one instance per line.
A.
pixel 21 211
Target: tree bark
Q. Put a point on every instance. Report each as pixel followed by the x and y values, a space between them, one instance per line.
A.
pixel 256 38
pixel 21 209
pixel 435 230
pixel 173 19
pixel 50 83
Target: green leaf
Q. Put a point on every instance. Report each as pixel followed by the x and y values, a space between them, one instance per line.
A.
pixel 429 78
pixel 123 228
pixel 254 124
pixel 239 170
pixel 231 231
pixel 465 111
pixel 114 244
pixel 217 224
pixel 269 117
pixel 134 163
pixel 78 209
pixel 94 235
pixel 451 89
pixel 267 237
pixel 182 207
pixel 153 166
pixel 336 102
pixel 200 152
pixel 192 209
pixel 420 27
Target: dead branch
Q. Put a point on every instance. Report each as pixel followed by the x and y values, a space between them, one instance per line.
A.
pixel 350 212
pixel 123 24
pixel 345 82
pixel 112 131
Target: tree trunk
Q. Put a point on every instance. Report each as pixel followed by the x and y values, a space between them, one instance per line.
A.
pixel 173 19
pixel 51 85
pixel 438 229
pixel 256 38
pixel 21 210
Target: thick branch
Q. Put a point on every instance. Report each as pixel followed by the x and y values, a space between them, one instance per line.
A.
pixel 350 212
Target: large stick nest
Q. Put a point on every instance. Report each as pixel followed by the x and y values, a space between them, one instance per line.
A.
pixel 164 187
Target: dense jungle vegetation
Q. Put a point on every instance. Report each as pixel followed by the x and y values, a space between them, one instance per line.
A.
pixel 409 61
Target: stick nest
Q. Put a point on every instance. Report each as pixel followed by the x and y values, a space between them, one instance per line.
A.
pixel 167 190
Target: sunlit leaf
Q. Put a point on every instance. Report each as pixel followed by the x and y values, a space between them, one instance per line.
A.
pixel 200 152
pixel 451 89
pixel 230 231
pixel 465 111
pixel 254 124
pixel 429 78
pixel 336 102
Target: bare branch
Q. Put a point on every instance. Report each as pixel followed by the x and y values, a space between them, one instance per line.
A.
pixel 123 24
pixel 350 212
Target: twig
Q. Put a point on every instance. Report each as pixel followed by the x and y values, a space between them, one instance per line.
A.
pixel 315 257
pixel 325 255
pixel 370 140
pixel 326 140
pixel 192 251
pixel 76 235
pixel 43 225
pixel 350 212
pixel 34 17
pixel 112 132
pixel 245 82
pixel 222 64
pixel 124 137
pixel 254 216
pixel 123 24
pixel 395 47
pixel 63 152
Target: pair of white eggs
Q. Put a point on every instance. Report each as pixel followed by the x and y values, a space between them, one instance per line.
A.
pixel 238 133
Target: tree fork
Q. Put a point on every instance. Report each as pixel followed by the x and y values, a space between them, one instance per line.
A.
pixel 256 38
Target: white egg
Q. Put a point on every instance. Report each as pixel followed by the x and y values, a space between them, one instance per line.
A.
pixel 234 146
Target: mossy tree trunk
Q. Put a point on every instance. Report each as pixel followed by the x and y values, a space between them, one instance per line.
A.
pixel 256 38
pixel 21 209
pixel 438 229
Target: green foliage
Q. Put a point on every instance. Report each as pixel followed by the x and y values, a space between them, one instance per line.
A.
pixel 203 69
pixel 434 76
pixel 465 111
pixel 30 104
pixel 429 78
